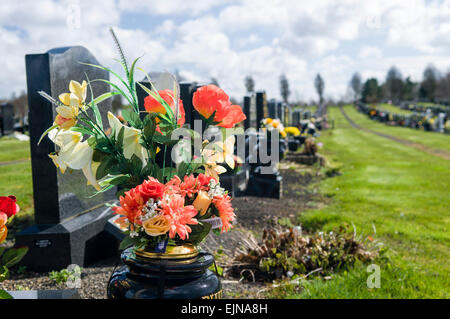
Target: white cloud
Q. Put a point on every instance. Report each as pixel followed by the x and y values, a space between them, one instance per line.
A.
pixel 232 39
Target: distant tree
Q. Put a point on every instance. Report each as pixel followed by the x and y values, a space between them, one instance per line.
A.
pixel 410 90
pixel 116 103
pixel 20 104
pixel 394 86
pixel 215 82
pixel 371 92
pixel 443 87
pixel 429 83
pixel 249 84
pixel 320 86
pixel 284 88
pixel 356 85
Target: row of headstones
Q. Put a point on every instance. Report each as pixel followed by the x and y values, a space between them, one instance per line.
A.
pixel 411 120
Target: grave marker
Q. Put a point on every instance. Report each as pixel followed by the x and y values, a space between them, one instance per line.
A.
pixel 69 223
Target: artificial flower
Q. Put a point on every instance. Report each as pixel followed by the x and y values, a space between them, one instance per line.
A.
pixel 151 104
pixel 211 167
pixel 3 228
pixel 156 226
pixel 226 211
pixel 130 138
pixel 131 205
pixel 225 151
pixel 179 216
pixel 210 99
pixel 8 205
pixel 151 188
pixel 202 202
pixel 75 154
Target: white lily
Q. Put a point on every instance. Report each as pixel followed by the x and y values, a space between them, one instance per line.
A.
pixel 75 154
pixel 130 138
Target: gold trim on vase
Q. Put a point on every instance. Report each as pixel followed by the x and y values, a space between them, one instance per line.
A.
pixel 172 252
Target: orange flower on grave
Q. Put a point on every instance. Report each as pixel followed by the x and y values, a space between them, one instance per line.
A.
pixel 210 99
pixel 151 104
pixel 130 208
pixel 179 216
pixel 226 211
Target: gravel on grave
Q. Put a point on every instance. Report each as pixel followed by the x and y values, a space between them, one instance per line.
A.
pixel 253 215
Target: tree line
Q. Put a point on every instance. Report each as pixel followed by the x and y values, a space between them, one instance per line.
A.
pixel 433 87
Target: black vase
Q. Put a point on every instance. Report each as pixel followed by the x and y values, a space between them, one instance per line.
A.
pixel 164 276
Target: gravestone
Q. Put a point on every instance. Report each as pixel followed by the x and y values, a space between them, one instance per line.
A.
pixel 279 109
pixel 441 122
pixel 261 108
pixel 296 117
pixel 6 118
pixel 246 109
pixel 272 108
pixel 69 222
pixel 287 115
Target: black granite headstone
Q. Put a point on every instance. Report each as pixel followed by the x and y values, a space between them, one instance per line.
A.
pixel 6 118
pixel 247 101
pixel 261 108
pixel 69 222
pixel 272 108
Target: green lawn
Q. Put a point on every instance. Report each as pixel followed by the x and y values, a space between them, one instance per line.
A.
pixel 400 192
pixel 12 149
pixel 392 109
pixel 430 139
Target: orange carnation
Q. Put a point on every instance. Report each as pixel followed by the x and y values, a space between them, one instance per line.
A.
pixel 130 207
pixel 226 211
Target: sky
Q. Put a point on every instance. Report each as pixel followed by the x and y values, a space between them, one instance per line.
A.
pixel 229 40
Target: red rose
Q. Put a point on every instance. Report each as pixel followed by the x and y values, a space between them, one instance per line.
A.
pixel 204 180
pixel 8 205
pixel 151 188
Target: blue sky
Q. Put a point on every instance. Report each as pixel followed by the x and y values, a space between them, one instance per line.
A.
pixel 231 39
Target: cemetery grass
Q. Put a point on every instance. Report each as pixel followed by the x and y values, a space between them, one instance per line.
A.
pixel 394 193
pixel 431 139
pixel 392 109
pixel 12 149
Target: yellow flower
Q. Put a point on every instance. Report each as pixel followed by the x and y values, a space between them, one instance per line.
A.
pixel 211 167
pixel 72 102
pixel 283 133
pixel 202 202
pixel 292 130
pixel 74 153
pixel 225 151
pixel 77 95
pixel 156 226
pixel 130 138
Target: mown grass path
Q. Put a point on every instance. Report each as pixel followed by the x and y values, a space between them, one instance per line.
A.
pixel 395 193
pixel 436 152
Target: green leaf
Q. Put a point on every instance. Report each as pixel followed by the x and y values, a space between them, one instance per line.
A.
pixel 169 113
pixel 132 118
pixel 5 295
pixel 94 106
pixel 82 130
pixel 104 166
pixel 13 255
pixel 164 139
pixel 149 126
pixel 4 273
pixel 46 132
pixel 2 249
pixel 136 164
pixel 117 88
pixel 119 140
pixel 126 242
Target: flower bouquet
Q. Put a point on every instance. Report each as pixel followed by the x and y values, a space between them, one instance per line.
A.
pixel 161 205
pixel 270 124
